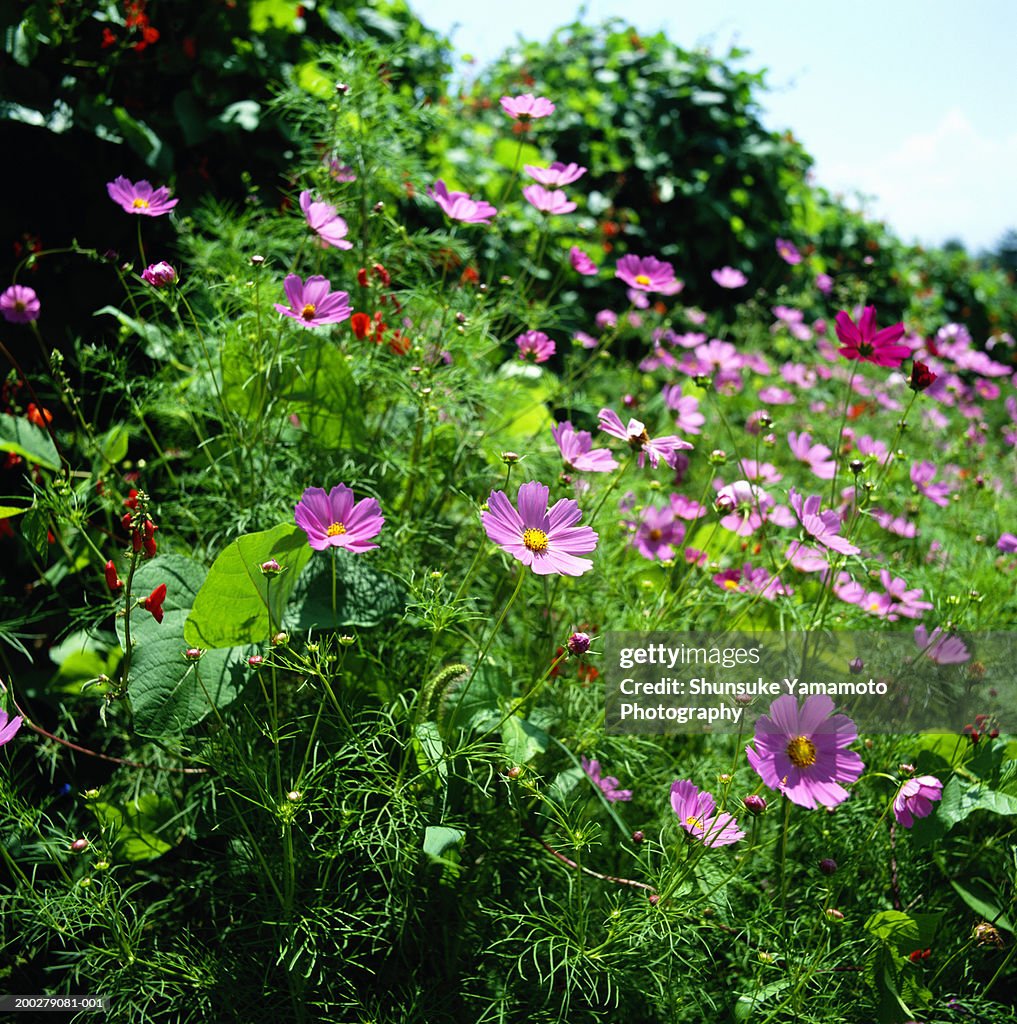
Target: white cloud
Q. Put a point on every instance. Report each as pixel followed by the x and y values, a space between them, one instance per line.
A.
pixel 949 182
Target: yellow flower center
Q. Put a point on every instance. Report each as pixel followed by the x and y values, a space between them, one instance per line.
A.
pixel 730 584
pixel 802 752
pixel 140 204
pixel 693 822
pixel 308 314
pixel 335 530
pixel 642 279
pixel 535 540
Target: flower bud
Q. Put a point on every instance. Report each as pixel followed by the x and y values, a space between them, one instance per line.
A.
pixel 754 803
pixel 255 660
pixel 828 866
pixel 637 836
pixel 280 639
pixel 271 568
pixel 578 643
pixel 855 665
pixel 79 845
pixel 159 275
pixel 193 653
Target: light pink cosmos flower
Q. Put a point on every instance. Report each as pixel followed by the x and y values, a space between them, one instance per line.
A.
pixel 687 508
pixel 459 205
pixel 752 580
pixel 802 752
pixel 646 273
pixel 915 798
pixel 824 527
pixel 578 453
pixel 921 476
pixel 864 342
pixel 815 456
pixel 159 275
pixel 1007 543
pixel 581 262
pixel 897 600
pixel 607 785
pixel 535 347
pixel 898 525
pixel 19 304
pixel 824 283
pixel 335 520
pixel 661 449
pixel 314 304
pixel 805 558
pixel 941 648
pixel 788 252
pixel 696 810
pixel 744 505
pixel 323 220
pixel 526 107
pixel 8 727
pixel 556 175
pixel 658 533
pixel 729 277
pixel 546 201
pixel 545 539
pixel 140 198
pixel 686 407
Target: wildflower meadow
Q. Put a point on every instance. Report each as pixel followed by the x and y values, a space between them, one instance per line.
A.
pixel 486 550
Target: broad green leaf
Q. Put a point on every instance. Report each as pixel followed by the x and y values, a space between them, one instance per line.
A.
pixel 430 750
pixel 232 606
pixel 32 443
pixel 438 839
pixel 363 595
pixel 141 829
pixel 477 704
pixel 313 80
pixel 278 14
pixel 7 511
pixel 518 401
pixel 983 901
pixel 114 443
pixel 961 798
pixel 748 1004
pixel 894 927
pixel 523 740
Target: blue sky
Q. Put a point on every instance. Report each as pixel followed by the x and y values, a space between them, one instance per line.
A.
pixel 913 104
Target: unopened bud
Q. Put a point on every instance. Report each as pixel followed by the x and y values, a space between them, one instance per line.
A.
pixel 79 845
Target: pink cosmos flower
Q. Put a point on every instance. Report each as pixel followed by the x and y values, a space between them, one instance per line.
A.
pixel 864 342
pixel 657 533
pixel 645 273
pixel 546 201
pixel 581 262
pixel 545 539
pixel 686 407
pixel 19 304
pixel 8 727
pixel 898 525
pixel 941 648
pixel 815 456
pixel 578 453
pixel 897 600
pixel 788 252
pixel 824 283
pixel 526 107
pixel 729 277
pixel 802 752
pixel 323 220
pixel 334 520
pixel 696 812
pixel 657 450
pixel 921 476
pixel 915 798
pixel 805 558
pixel 159 275
pixel 140 198
pixel 557 174
pixel 314 304
pixel 608 786
pixel 459 205
pixel 1007 543
pixel 752 580
pixel 687 508
pixel 824 527
pixel 535 346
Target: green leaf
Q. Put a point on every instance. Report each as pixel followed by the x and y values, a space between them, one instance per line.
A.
pixel 363 595
pixel 232 606
pixel 477 704
pixel 430 750
pixel 156 342
pixel 747 1004
pixel 961 798
pixel 280 14
pixel 983 901
pixel 140 829
pixel 523 740
pixel 113 445
pixel 23 438
pixel 170 694
pixel 35 530
pixel 894 927
pixel 7 511
pixel 438 839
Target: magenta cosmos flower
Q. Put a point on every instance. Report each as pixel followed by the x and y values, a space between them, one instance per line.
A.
pixel 545 539
pixel 802 752
pixel 609 785
pixel 788 251
pixel 140 198
pixel 581 262
pixel 657 450
pixel 323 220
pixel 696 812
pixel 314 304
pixel 526 107
pixel 646 273
pixel 915 798
pixel 159 275
pixel 459 205
pixel 19 304
pixel 333 520
pixel 556 175
pixel 547 201
pixel 729 277
pixel 8 727
pixel 535 347
pixel 864 342
pixel 578 453
pixel 824 527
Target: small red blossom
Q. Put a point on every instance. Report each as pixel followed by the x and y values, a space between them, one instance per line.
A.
pixel 921 377
pixel 361 325
pixel 153 603
pixel 113 581
pixel 109 38
pixel 131 501
pixel 37 415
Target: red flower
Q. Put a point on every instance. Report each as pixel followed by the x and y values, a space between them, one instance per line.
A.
pixel 109 38
pixel 361 324
pixel 153 603
pixel 362 277
pixel 131 501
pixel 113 581
pixel 148 538
pixel 921 376
pixel 37 415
